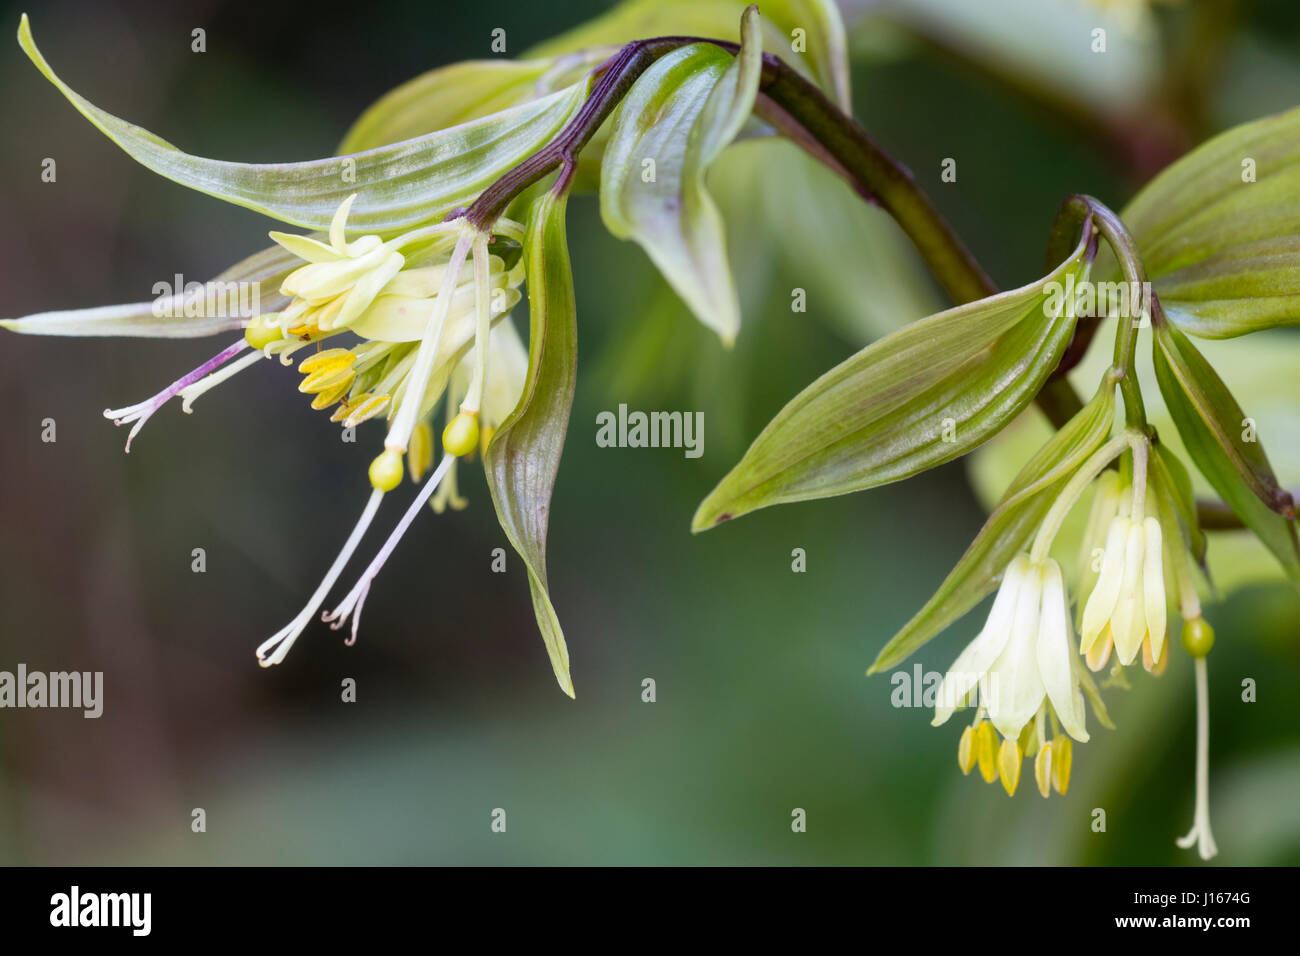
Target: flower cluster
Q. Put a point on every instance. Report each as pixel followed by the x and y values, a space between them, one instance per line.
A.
pixel 1025 672
pixel 413 323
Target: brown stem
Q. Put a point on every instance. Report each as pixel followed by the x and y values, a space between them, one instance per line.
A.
pixel 806 115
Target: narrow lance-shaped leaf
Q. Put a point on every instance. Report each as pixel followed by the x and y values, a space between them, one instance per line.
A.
pixel 1222 444
pixel 398 186
pixel 673 123
pixel 522 460
pixel 1199 394
pixel 1008 529
pixel 924 395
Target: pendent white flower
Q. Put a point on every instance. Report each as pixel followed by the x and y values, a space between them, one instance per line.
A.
pixel 1126 610
pixel 1021 659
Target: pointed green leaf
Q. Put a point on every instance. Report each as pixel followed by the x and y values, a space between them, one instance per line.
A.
pixel 1222 444
pixel 263 271
pixel 1204 404
pixel 522 460
pixel 1219 230
pixel 1252 286
pixel 1008 529
pixel 443 98
pixel 673 123
pixel 398 186
pixel 924 395
pixel 1171 475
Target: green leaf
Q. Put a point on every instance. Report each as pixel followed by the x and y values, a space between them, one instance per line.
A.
pixel 1204 404
pixel 1212 426
pixel 1219 230
pixel 264 271
pixel 446 97
pixel 1172 474
pixel 1008 529
pixel 673 123
pixel 922 396
pixel 398 186
pixel 824 52
pixel 1252 286
pixel 522 460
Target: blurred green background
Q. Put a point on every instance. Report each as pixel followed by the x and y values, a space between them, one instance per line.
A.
pixel 762 706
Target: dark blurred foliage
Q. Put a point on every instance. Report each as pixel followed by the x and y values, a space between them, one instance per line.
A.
pixel 762 703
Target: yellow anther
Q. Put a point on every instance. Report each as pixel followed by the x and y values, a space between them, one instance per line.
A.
pixel 485 438
pixel 328 397
pixel 419 451
pixel 1009 758
pixel 1198 637
pixel 461 434
pixel 985 752
pixel 326 380
pixel 259 333
pixel 1043 769
pixel 365 407
pixel 386 470
pixel 328 372
pixel 1062 755
pixel 330 358
pixel 966 755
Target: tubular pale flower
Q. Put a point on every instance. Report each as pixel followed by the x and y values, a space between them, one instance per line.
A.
pixel 1021 668
pixel 1126 610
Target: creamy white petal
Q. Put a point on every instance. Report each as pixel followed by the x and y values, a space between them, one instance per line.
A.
pixel 1055 651
pixel 1153 586
pixel 367 287
pixel 1101 603
pixel 338 225
pixel 359 247
pixel 979 654
pixel 1011 689
pixel 305 247
pixel 1128 624
pixel 319 281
